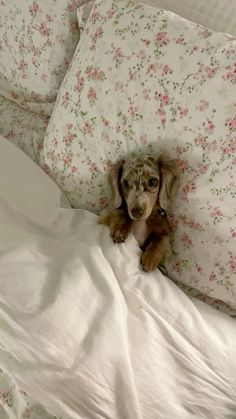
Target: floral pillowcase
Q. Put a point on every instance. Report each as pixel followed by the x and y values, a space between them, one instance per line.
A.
pixel 23 128
pixel 146 78
pixel 37 42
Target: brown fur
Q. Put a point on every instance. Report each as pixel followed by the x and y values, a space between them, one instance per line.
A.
pixel 141 190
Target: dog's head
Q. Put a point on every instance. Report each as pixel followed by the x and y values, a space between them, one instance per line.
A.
pixel 142 182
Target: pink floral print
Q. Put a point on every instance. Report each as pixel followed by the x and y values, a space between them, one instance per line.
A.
pixel 15 403
pixel 37 42
pixel 24 128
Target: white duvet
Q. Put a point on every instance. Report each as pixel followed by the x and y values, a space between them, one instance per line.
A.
pixel 84 331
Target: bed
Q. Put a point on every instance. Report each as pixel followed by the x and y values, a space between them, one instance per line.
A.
pixel 84 332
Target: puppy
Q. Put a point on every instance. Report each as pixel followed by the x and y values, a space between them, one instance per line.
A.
pixel 141 192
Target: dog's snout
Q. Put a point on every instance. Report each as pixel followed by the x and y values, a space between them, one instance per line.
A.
pixel 137 212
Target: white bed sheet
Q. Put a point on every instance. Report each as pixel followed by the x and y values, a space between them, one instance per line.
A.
pixel 84 331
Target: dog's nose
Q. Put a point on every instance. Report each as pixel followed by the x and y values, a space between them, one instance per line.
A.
pixel 137 212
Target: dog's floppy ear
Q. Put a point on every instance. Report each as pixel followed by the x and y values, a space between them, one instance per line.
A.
pixel 114 176
pixel 168 178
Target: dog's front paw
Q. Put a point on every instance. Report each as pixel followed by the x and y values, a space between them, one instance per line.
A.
pixel 149 262
pixel 119 234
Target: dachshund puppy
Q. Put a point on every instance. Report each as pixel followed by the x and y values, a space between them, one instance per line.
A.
pixel 141 192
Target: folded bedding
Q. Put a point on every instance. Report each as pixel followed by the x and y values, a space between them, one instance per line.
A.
pixel 23 128
pixel 37 42
pixel 84 331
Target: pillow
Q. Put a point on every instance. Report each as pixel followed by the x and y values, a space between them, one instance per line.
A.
pixel 215 14
pixel 146 78
pixel 20 177
pixel 22 127
pixel 37 41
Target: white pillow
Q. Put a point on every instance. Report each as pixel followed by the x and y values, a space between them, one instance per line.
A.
pixel 140 78
pixel 37 41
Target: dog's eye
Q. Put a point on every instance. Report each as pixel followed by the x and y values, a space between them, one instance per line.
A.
pixel 152 182
pixel 125 184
